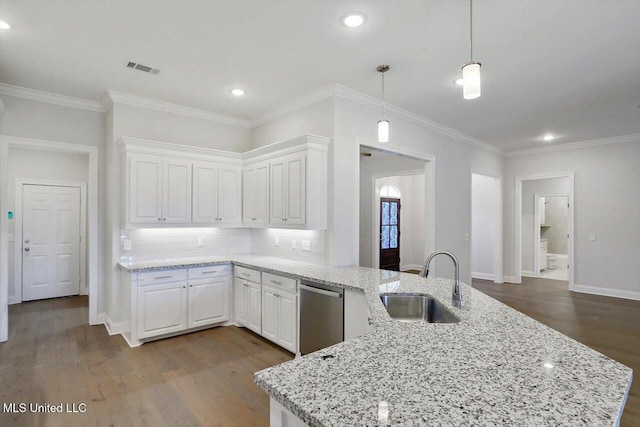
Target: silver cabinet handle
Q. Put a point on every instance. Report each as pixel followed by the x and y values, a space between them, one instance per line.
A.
pixel 275 282
pixel 245 274
pixel 27 241
pixel 26 249
pixel 210 272
pixel 163 277
pixel 164 219
pixel 159 219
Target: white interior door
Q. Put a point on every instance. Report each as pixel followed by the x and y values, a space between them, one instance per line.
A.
pixel 51 241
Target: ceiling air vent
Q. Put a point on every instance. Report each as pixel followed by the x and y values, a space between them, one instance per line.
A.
pixel 142 68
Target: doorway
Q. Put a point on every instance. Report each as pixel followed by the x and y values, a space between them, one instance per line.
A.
pixel 50 241
pixel 486 227
pixel 552 237
pixel 531 194
pixel 389 229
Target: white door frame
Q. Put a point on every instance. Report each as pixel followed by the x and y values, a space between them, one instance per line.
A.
pixel 18 215
pixel 430 187
pixel 536 229
pixel 375 250
pixel 498 276
pixel 518 223
pixel 92 219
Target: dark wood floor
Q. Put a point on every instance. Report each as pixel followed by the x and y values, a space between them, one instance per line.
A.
pixel 608 325
pixel 200 379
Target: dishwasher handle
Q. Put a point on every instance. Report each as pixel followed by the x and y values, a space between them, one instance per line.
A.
pixel 321 291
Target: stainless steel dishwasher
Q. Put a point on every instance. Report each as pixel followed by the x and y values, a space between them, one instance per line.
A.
pixel 321 316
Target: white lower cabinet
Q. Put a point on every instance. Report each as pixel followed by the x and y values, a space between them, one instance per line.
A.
pixel 279 317
pixel 167 303
pixel 162 309
pixel 247 304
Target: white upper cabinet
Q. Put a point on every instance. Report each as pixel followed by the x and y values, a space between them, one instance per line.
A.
pixel 159 190
pixel 217 190
pixel 288 183
pixel 255 193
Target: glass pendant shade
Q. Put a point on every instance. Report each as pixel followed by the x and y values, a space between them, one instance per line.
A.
pixel 471 80
pixel 383 131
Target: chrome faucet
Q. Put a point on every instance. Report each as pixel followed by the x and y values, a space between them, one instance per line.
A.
pixel 456 296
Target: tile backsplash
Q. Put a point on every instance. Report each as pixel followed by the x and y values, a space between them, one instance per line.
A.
pixel 151 243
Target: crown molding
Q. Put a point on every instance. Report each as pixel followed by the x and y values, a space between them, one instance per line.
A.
pixel 50 98
pixel 295 105
pixel 112 97
pixel 376 104
pixel 634 137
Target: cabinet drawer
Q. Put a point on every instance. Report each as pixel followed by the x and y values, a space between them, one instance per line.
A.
pixel 279 281
pixel 161 276
pixel 247 274
pixel 209 271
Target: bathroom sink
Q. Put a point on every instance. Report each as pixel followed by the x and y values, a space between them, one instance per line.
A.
pixel 417 308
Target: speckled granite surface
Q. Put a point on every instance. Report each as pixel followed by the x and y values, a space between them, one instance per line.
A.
pixel 489 369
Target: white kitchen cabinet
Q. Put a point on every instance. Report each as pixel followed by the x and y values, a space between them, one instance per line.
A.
pixel 240 301
pixel 255 194
pixel 279 317
pixel 287 190
pixel 208 301
pixel 247 304
pixel 159 190
pixel 217 190
pixel 161 309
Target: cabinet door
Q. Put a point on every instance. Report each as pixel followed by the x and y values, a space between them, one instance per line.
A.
pixel 205 193
pixel 262 193
pixel 277 192
pixel 176 192
pixel 229 194
pixel 145 189
pixel 208 301
pixel 162 309
pixel 254 307
pixel 287 321
pixel 269 313
pixel 249 195
pixel 296 182
pixel 240 301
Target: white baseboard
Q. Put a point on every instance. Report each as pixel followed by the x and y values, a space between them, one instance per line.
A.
pixel 410 267
pixel 13 300
pixel 483 276
pixel 527 273
pixel 511 279
pixel 113 328
pixel 607 292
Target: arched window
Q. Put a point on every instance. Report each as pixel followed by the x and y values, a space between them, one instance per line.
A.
pixel 390 191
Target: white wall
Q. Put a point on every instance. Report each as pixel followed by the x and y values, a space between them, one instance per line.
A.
pixel 315 119
pixel 540 187
pixel 557 218
pixel 454 160
pixel 607 203
pixel 38 165
pixel 412 214
pixel 484 228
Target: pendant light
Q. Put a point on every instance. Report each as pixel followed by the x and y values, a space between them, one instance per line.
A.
pixel 471 70
pixel 383 125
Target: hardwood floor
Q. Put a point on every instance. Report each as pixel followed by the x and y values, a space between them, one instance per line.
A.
pixel 608 325
pixel 199 379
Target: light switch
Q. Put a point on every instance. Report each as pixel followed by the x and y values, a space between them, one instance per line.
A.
pixel 305 245
pixel 293 244
pixel 200 241
pixel 466 237
pixel 277 241
pixel 593 237
pixel 126 245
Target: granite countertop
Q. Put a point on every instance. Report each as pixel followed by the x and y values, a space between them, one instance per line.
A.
pixel 496 367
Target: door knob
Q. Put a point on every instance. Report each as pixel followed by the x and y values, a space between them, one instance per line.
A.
pixel 27 241
pixel 26 249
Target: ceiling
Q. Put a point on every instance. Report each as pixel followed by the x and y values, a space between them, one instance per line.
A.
pixel 567 67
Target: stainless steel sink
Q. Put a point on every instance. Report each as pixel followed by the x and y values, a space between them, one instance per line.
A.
pixel 417 308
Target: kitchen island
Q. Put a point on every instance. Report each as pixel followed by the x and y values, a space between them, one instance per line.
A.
pixel 495 367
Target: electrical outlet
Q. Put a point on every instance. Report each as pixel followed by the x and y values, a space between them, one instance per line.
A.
pixel 126 245
pixel 593 237
pixel 293 244
pixel 277 241
pixel 200 241
pixel 305 245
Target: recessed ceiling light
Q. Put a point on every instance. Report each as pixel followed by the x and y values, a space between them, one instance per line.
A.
pixel 4 26
pixel 237 92
pixel 458 82
pixel 548 137
pixel 354 20
pixel 548 365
